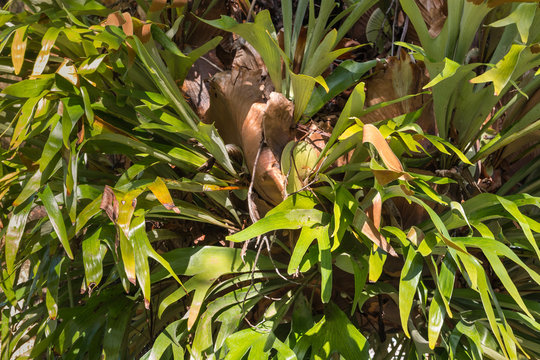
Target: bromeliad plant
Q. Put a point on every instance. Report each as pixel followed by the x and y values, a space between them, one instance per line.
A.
pixel 103 164
pixel 306 51
pixel 92 123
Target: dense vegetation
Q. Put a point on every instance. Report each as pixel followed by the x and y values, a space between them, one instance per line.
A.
pixel 250 180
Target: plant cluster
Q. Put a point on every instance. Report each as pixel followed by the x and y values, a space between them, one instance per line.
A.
pixel 393 240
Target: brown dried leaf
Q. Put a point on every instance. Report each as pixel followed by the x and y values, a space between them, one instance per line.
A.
pixel 278 124
pixel 400 76
pixel 373 136
pixel 109 203
pixel 157 5
pixel 374 211
pixel 370 231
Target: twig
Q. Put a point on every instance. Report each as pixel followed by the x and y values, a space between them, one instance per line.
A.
pixel 250 12
pixel 404 32
pixel 212 64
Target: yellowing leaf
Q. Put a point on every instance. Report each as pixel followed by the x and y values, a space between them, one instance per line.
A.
pixel 68 72
pixel 373 136
pixel 450 68
pixel 159 189
pixel 18 48
pixel 47 44
pixel 500 74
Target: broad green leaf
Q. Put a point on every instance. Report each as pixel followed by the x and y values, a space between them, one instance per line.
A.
pixel 128 258
pixel 159 74
pixel 436 141
pixel 450 68
pixel 480 283
pixel 325 257
pixel 306 238
pixel 93 253
pixel 55 217
pixel 513 209
pixel 87 213
pixel 410 276
pixel 137 234
pixel 24 120
pixel 14 234
pixel 360 277
pixel 53 281
pixel 88 111
pixel 30 188
pixel 302 88
pixel 163 40
pixel 440 303
pixel 353 107
pixel 323 55
pixel 497 248
pixel 522 16
pixel 499 269
pixel 377 258
pixel 209 137
pixel 291 219
pixel 500 74
pixel 118 319
pixel 333 333
pixel 29 88
pixel 436 318
pixel 52 147
pixel 169 338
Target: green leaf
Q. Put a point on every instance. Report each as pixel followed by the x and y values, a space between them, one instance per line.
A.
pixel 344 76
pixel 55 217
pixel 302 87
pixel 306 238
pixel 53 281
pixel 261 35
pixel 377 258
pixel 93 253
pixel 513 209
pixel 436 318
pixel 88 111
pixel 522 16
pixel 169 338
pixel 291 219
pixel 137 233
pixel 209 137
pixel 159 74
pixel 408 282
pixel 325 258
pixel 24 120
pixel 30 188
pixel 500 74
pixel 450 68
pixel 14 233
pixel 334 333
pixel 353 107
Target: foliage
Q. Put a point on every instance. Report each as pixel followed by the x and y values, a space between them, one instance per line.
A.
pixel 103 164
